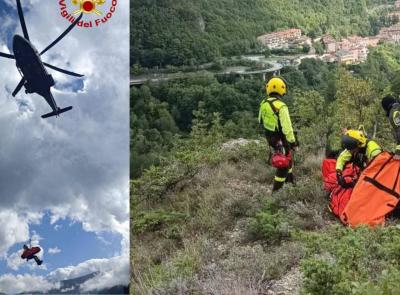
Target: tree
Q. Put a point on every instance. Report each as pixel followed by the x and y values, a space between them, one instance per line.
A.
pixel 310 119
pixel 356 103
pixel 396 83
pixel 267 52
pixel 152 130
pixel 136 69
pixel 198 31
pixel 319 48
pixel 306 48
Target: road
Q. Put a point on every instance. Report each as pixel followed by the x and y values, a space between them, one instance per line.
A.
pixel 274 67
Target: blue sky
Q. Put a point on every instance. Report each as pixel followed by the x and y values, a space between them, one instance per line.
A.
pixel 76 246
pixel 65 181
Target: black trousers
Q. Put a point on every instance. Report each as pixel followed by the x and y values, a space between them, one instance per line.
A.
pixel 278 142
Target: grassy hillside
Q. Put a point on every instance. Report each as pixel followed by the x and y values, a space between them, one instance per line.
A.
pixel 178 32
pixel 196 228
pixel 207 223
pixel 204 220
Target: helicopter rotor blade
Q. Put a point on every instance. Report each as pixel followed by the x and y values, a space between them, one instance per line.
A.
pixel 62 70
pixel 6 55
pixel 62 35
pixel 19 86
pixel 22 20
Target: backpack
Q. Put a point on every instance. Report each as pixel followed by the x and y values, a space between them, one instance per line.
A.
pixel 376 194
pixel 280 160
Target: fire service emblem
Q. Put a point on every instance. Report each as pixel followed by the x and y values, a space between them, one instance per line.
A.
pixel 103 10
pixel 88 6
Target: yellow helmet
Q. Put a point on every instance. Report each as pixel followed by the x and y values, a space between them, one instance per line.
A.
pixel 353 139
pixel 276 85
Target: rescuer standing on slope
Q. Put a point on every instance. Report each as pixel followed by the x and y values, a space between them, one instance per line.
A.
pixel 275 120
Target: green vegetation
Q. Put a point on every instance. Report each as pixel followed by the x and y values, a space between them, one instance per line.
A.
pixel 190 33
pixel 204 219
pixel 291 51
pixel 346 261
pixel 162 113
pixel 154 220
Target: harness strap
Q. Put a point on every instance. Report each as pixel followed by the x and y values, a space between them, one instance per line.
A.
pixel 382 187
pixel 383 166
pixel 397 178
pixel 276 111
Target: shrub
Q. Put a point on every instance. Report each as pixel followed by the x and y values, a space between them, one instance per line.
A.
pixel 321 276
pixel 388 283
pixel 270 223
pixel 237 205
pixel 361 261
pixel 155 220
pixel 183 265
pixel 155 181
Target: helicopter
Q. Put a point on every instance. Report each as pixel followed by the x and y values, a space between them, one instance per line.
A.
pixel 35 78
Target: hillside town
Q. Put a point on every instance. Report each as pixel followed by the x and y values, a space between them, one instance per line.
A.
pixel 349 50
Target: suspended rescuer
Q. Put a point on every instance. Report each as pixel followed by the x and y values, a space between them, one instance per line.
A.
pixel 30 253
pixel 392 108
pixel 358 149
pixel 275 121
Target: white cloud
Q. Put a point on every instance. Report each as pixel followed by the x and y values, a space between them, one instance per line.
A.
pixel 111 272
pixel 32 266
pixel 13 229
pixel 14 261
pixel 22 283
pixel 35 239
pixel 116 273
pixel 34 217
pixel 83 155
pixel 54 250
pixel 103 240
pixel 76 165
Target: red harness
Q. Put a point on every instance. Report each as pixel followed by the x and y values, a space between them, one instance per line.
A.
pixel 28 253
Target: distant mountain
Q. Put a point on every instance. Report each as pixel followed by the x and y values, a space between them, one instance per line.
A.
pixel 115 290
pixel 73 286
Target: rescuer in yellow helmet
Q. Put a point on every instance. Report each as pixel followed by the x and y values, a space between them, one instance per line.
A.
pixel 358 149
pixel 275 120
